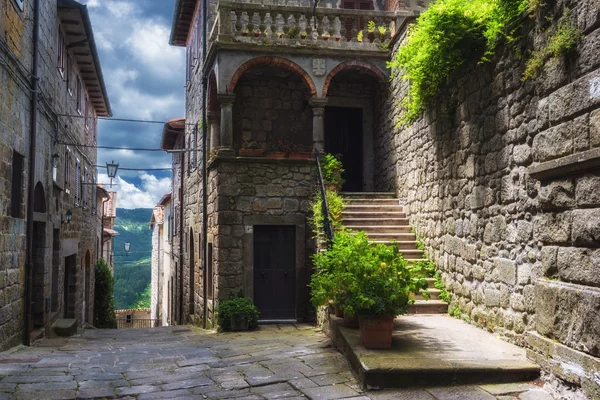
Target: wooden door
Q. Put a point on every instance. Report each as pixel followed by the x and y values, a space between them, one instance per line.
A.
pixel 275 271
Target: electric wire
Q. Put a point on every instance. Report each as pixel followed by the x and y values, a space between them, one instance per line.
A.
pixel 137 169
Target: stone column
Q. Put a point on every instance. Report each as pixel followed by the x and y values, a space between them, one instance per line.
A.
pixel 226 101
pixel 213 129
pixel 318 106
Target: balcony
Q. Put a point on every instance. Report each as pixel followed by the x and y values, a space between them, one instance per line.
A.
pixel 290 27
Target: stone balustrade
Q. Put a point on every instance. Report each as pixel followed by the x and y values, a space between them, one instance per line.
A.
pixel 285 22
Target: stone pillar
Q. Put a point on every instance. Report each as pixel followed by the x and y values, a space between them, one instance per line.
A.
pixel 213 129
pixel 318 107
pixel 226 101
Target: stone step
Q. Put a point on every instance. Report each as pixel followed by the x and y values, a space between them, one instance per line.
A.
pixel 398 237
pixel 433 350
pixel 410 253
pixel 434 294
pixel 371 208
pixel 370 229
pixel 396 222
pixel 371 202
pixel 385 215
pixel 368 195
pixel 428 307
pixel 65 327
pixel 402 245
pixel 430 282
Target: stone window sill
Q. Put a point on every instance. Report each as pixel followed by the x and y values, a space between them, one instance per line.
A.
pixel 572 164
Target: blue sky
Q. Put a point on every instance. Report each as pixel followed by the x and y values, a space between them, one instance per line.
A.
pixel 145 79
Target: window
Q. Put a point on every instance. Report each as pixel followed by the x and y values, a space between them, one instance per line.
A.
pixel 79 95
pixel 95 128
pixel 20 4
pixel 61 53
pixel 86 115
pixel 17 185
pixel 84 189
pixel 69 74
pixel 67 169
pixel 76 203
pixel 94 197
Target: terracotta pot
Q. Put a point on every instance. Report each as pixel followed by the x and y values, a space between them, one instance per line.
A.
pixel 276 154
pixel 351 322
pixel 251 152
pixel 376 332
pixel 299 155
pixel 338 312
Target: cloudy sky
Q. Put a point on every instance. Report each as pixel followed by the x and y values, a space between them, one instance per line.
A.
pixel 145 79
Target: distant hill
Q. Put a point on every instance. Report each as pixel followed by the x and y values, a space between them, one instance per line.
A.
pixel 133 272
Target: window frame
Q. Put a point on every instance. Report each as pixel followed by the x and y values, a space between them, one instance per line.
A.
pixel 69 74
pixel 79 94
pixel 62 49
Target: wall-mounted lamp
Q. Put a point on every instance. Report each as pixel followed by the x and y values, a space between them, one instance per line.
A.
pixel 127 247
pixel 68 217
pixel 111 170
pixel 55 158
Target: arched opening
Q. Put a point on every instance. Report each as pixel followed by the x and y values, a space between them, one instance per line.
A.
pixel 213 113
pixel 354 108
pixel 192 256
pixel 39 198
pixel 271 104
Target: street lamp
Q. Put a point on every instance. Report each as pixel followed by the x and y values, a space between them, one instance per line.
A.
pixel 111 170
pixel 127 247
pixel 68 217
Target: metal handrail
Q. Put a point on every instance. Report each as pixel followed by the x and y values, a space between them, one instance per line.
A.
pixel 324 204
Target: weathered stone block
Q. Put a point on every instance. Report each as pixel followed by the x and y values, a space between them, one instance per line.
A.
pixel 492 297
pixel 549 260
pixel 587 190
pixel 586 228
pixel 552 228
pixel 579 265
pixel 522 154
pixel 506 270
pixel 553 143
pixel 569 313
pixel 495 231
pixel 524 273
pixel 595 128
pixel 558 194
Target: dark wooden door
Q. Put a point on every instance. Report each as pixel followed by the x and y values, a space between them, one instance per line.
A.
pixel 275 271
pixel 343 136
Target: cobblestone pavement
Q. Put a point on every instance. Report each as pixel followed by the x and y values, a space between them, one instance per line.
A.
pixel 275 362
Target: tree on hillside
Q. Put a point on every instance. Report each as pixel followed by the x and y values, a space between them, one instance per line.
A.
pixel 104 304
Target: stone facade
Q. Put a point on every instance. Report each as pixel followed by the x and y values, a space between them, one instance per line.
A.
pixel 501 181
pixel 161 225
pixel 60 251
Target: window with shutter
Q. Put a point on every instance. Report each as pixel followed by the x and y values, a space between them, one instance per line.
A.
pixel 84 189
pixel 189 154
pixel 76 183
pixel 61 52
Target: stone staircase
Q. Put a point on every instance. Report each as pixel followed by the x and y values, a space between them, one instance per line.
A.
pixel 383 219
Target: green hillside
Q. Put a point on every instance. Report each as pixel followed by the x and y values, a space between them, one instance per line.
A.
pixel 133 272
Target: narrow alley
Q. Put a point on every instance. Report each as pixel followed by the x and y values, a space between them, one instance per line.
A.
pixel 184 362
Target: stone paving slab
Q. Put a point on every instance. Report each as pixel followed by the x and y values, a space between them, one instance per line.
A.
pixel 288 362
pixel 434 350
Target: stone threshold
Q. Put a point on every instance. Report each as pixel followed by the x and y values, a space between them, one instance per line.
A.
pixel 433 350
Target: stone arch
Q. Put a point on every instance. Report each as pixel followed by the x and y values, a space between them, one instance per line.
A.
pixel 212 91
pixel 39 198
pixel 274 62
pixel 352 65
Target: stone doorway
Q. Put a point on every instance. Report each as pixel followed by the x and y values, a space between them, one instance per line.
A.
pixel 275 271
pixel 70 289
pixel 344 137
pixel 39 274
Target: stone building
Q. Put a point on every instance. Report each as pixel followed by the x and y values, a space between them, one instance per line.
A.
pixel 108 215
pixel 503 190
pixel 51 93
pixel 162 274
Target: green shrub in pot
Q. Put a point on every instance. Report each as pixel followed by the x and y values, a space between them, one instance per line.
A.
pixel 237 313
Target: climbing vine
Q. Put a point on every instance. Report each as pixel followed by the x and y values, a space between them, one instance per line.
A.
pixel 444 37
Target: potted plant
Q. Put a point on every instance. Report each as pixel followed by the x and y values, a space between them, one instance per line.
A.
pixel 300 151
pixel 250 149
pixel 332 172
pixel 371 30
pixel 374 283
pixel 276 149
pixel 237 313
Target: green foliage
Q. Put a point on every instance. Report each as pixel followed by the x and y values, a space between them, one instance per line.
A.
pixel 445 295
pixel 454 311
pixel 332 169
pixel 561 42
pixel 133 272
pixel 336 207
pixel 239 306
pixel 104 305
pixel 446 35
pixel 362 279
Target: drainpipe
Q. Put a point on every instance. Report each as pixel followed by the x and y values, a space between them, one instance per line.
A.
pixel 180 272
pixel 204 172
pixel 31 174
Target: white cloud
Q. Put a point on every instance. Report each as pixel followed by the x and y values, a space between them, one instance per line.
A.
pixel 149 41
pixel 146 196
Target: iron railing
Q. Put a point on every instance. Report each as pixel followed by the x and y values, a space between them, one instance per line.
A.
pixel 137 323
pixel 324 204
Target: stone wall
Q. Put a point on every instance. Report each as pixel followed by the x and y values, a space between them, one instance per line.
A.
pixel 248 192
pixel 77 239
pixel 501 181
pixel 272 108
